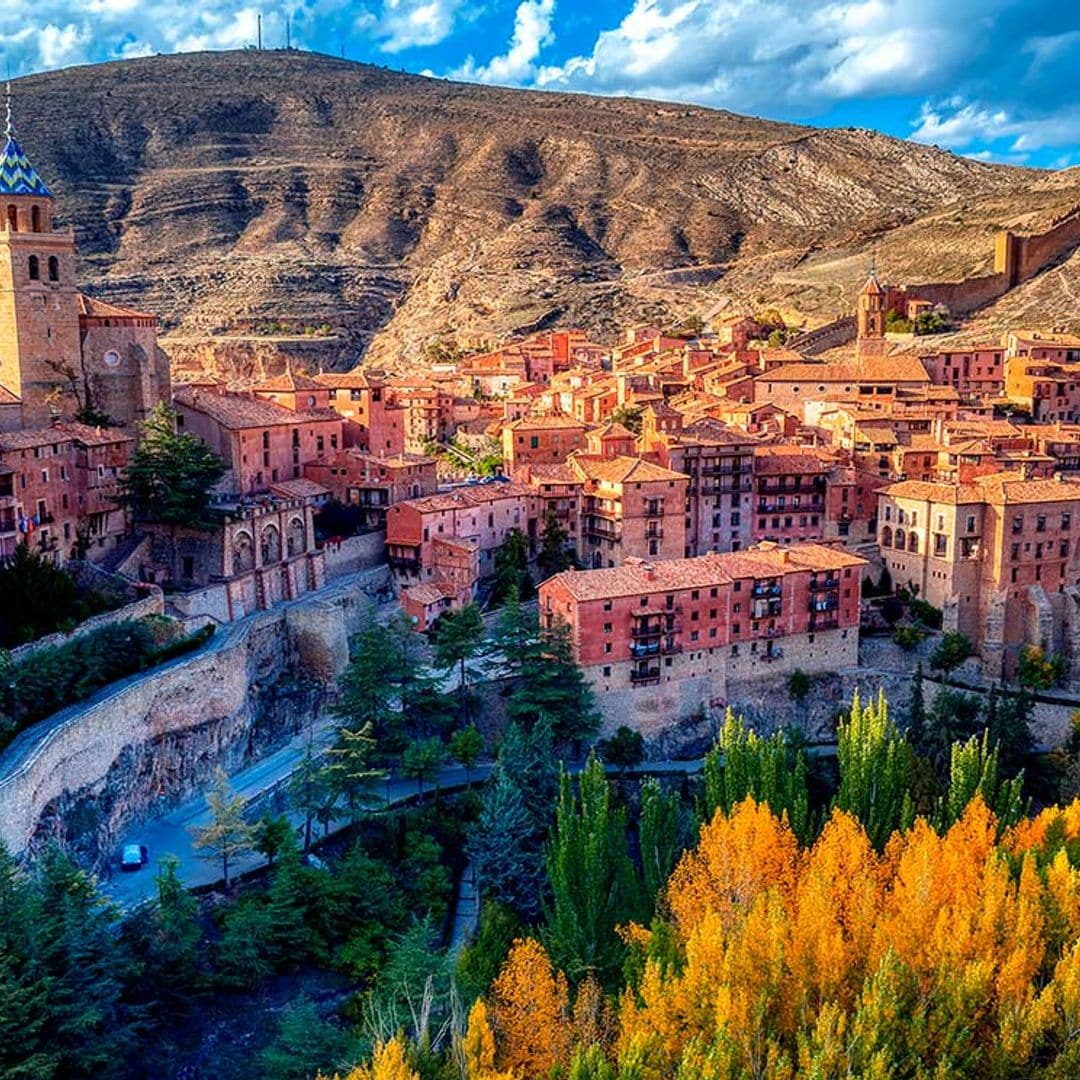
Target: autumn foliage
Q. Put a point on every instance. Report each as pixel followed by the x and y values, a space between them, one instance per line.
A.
pixel 951 953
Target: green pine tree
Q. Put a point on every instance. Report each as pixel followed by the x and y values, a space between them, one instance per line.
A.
pixel 171 474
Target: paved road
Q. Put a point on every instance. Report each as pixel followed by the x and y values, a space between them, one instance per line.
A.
pixel 171 833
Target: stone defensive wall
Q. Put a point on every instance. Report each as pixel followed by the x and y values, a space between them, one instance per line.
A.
pixel 202 705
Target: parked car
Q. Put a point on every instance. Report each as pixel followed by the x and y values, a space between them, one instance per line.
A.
pixel 134 857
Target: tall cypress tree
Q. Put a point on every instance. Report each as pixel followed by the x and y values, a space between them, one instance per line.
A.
pixel 592 878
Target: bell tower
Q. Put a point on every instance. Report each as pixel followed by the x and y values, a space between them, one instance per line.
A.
pixel 40 358
pixel 871 307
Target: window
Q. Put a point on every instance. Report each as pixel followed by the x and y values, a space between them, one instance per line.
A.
pixel 1018 523
pixel 1066 520
pixel 534 442
pixel 54 268
pixel 971 523
pixel 35 219
pixel 34 268
pixel 607 628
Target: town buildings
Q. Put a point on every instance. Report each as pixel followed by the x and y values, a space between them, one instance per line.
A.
pixel 998 555
pixel 373 482
pixel 664 639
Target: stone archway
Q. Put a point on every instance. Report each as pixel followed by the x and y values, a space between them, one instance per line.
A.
pixel 296 538
pixel 270 545
pixel 243 558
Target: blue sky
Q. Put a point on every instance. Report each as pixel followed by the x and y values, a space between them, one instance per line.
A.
pixel 996 79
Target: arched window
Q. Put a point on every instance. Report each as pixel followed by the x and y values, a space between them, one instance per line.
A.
pixel 12 218
pixel 243 553
pixel 271 545
pixel 913 541
pixel 296 541
pixel 886 536
pixel 35 219
pixel 35 268
pixel 54 268
pixel 901 538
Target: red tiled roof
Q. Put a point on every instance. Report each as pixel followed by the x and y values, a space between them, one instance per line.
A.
pixel 287 383
pixel 621 469
pixel 237 412
pixel 90 308
pixel 635 578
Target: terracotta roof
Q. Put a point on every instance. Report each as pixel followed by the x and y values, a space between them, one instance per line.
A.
pixel 635 577
pixel 237 412
pixel 892 369
pixel 286 383
pixel 349 380
pixel 467 495
pixel 90 308
pixel 28 439
pixel 558 473
pixel 300 488
pixel 8 398
pixel 786 460
pixel 554 423
pixel 1000 488
pixel 621 469
pixel 613 430
pixel 428 592
pixel 89 435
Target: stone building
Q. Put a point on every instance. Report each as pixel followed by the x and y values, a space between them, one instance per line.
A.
pixel 629 507
pixel 260 441
pixel 62 353
pixel 998 555
pixel 58 489
pixel 660 640
pixel 259 553
pixel 540 440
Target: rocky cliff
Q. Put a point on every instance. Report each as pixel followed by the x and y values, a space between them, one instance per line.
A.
pixel 264 195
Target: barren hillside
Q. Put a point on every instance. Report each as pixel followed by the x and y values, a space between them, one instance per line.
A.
pixel 235 192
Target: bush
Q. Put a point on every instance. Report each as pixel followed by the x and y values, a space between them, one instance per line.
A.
pixel 926 613
pixel 50 679
pixel 907 637
pixel 38 598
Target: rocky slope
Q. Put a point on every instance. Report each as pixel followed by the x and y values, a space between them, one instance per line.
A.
pixel 234 192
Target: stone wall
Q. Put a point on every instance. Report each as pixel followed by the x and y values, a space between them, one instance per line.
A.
pixel 85 772
pixel 355 554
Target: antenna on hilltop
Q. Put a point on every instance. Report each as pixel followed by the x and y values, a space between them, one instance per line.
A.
pixel 288 32
pixel 259 22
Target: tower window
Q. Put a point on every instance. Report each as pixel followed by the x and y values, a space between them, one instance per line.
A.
pixel 54 268
pixel 35 268
pixel 12 218
pixel 35 219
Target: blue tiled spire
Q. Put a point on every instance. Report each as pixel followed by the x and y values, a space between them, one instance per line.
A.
pixel 17 175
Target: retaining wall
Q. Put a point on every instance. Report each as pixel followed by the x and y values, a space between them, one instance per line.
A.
pixel 73 756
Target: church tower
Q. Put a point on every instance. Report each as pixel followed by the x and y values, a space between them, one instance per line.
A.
pixel 40 359
pixel 871 308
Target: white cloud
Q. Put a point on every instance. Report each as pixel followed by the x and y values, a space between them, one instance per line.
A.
pixel 958 124
pixel 532 32
pixel 407 24
pixel 779 54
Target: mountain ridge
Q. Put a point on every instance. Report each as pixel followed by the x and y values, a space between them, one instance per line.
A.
pixel 235 192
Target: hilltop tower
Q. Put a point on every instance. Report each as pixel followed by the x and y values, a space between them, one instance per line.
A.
pixel 40 352
pixel 871 307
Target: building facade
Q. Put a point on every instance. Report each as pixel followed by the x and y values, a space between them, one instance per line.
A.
pixel 660 640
